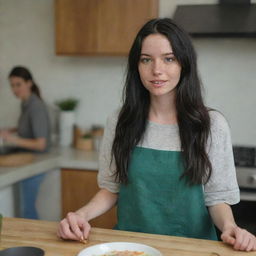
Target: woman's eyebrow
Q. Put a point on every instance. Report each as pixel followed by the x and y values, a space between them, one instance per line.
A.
pixel 169 53
pixel 164 54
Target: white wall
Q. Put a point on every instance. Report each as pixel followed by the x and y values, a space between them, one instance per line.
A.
pixel 227 67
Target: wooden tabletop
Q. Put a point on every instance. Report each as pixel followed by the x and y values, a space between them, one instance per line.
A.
pixel 42 234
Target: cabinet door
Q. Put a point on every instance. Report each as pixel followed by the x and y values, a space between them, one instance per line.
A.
pixel 120 21
pixel 76 23
pixel 78 187
pixel 100 27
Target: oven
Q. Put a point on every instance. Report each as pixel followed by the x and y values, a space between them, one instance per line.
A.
pixel 244 212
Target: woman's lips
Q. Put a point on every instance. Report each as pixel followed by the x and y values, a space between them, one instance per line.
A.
pixel 158 83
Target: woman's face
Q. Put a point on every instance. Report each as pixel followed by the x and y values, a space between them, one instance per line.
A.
pixel 158 68
pixel 20 87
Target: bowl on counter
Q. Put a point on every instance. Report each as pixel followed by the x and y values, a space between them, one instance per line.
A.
pixel 22 251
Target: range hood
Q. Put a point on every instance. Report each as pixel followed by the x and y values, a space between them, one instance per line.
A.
pixel 233 18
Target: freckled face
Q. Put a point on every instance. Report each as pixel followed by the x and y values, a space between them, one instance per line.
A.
pixel 20 87
pixel 158 68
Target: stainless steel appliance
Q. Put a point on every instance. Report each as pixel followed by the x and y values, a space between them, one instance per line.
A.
pixel 244 212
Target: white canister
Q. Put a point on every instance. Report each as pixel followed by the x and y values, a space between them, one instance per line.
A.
pixel 67 121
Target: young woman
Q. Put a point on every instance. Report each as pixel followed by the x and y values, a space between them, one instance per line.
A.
pixel 166 159
pixel 32 133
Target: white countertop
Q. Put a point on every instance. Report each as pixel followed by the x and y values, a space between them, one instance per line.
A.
pixel 63 157
pixel 78 159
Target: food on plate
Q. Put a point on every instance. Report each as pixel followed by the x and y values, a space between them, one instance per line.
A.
pixel 125 253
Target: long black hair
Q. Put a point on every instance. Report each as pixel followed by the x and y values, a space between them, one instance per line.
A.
pixel 26 75
pixel 192 115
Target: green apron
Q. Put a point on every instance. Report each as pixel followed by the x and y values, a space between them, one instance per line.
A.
pixel 157 201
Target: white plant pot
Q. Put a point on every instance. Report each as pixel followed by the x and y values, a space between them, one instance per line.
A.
pixel 67 121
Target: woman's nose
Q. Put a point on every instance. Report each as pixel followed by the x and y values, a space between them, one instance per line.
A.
pixel 157 68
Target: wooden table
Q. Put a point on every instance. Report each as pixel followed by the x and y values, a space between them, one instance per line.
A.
pixel 24 232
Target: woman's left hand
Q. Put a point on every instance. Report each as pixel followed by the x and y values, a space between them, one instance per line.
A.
pixel 239 238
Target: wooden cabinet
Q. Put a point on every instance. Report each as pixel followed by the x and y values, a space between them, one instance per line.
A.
pixel 78 187
pixel 100 27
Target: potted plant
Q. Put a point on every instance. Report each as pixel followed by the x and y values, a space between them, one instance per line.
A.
pixel 68 104
pixel 67 120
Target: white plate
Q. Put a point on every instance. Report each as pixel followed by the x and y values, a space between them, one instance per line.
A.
pixel 99 249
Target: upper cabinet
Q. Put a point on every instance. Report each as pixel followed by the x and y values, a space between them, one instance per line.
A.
pixel 100 27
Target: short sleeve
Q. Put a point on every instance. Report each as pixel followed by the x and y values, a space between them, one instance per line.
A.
pixel 222 186
pixel 107 168
pixel 39 120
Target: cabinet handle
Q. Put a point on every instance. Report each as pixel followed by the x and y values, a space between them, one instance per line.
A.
pixel 252 179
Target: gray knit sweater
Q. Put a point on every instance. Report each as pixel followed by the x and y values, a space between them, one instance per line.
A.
pixel 222 185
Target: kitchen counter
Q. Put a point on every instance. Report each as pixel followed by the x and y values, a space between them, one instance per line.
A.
pixel 78 159
pixel 64 157
pixel 42 234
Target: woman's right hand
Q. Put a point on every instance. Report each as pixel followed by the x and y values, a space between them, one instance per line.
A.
pixel 74 227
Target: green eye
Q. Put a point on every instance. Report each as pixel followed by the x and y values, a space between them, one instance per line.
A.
pixel 145 60
pixel 169 59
